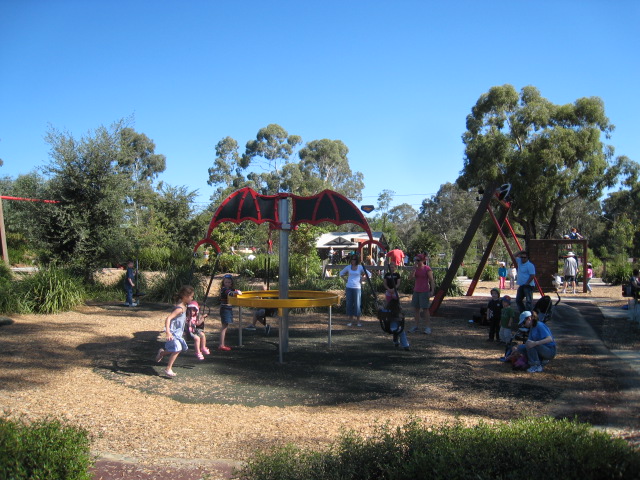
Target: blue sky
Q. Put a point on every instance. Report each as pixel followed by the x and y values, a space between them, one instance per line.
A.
pixel 393 80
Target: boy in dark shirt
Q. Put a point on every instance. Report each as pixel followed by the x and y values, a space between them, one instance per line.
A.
pixel 494 311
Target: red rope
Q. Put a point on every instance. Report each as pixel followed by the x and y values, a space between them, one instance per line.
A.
pixel 4 197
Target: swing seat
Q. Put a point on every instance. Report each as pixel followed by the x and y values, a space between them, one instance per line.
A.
pixel 386 319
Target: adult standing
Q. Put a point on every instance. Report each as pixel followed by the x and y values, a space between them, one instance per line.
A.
pixel 570 271
pixel 354 274
pixel 396 256
pixel 526 275
pixel 423 289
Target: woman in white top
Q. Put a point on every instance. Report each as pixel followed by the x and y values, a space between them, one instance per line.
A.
pixel 354 274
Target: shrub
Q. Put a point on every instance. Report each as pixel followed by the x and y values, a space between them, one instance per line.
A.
pixel 45 449
pixel 524 449
pixel 5 271
pixel 618 273
pixel 165 286
pixel 489 274
pixel 50 290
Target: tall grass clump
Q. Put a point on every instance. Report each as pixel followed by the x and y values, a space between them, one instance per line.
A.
pixel 526 449
pixel 165 286
pixel 53 290
pixel 50 290
pixel 5 272
pixel 46 449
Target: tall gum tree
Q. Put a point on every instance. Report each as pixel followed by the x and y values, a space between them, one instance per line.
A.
pixel 551 154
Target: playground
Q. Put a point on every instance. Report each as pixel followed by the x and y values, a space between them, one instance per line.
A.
pixel 95 367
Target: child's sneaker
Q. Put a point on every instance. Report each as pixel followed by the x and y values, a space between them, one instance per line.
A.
pixel 267 329
pixel 535 369
pixel 413 330
pixel 159 355
pixel 200 356
pixel 250 327
pixel 205 350
pixel 224 348
pixel 427 330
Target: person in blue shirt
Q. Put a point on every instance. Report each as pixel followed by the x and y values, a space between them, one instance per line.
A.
pixel 540 346
pixel 525 281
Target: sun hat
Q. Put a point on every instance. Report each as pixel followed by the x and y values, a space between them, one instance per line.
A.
pixel 523 316
pixel 571 254
pixel 194 304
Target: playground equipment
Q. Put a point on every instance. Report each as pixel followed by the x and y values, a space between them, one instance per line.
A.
pixel 544 251
pixel 248 205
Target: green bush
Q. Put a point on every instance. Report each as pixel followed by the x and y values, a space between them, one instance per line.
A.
pixel 46 449
pixel 489 274
pixel 167 285
pixel 523 449
pixel 618 273
pixel 50 290
pixel 5 271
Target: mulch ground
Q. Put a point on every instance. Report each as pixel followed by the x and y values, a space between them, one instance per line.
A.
pixel 95 367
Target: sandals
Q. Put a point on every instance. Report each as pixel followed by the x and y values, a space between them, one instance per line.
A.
pixel 200 356
pixel 224 348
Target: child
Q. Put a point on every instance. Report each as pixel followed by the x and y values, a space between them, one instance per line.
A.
pixel 502 273
pixel 513 274
pixel 129 284
pixel 397 319
pixel 391 281
pixel 494 310
pixel 507 319
pixel 173 327
pixel 226 311
pixel 589 276
pixel 195 325
pixel 261 315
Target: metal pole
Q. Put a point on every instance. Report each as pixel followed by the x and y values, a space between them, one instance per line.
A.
pixel 3 237
pixel 283 279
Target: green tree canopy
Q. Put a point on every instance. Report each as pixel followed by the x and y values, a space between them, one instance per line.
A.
pixel 551 154
pixel 91 189
pixel 268 167
pixel 447 214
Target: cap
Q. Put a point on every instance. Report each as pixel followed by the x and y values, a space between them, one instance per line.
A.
pixel 194 304
pixel 507 299
pixel 523 316
pixel 419 257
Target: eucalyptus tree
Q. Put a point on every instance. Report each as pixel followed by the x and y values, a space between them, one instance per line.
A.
pixel 551 154
pixel 268 166
pixel 324 164
pixel 447 214
pixel 141 165
pixel 271 149
pixel 405 219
